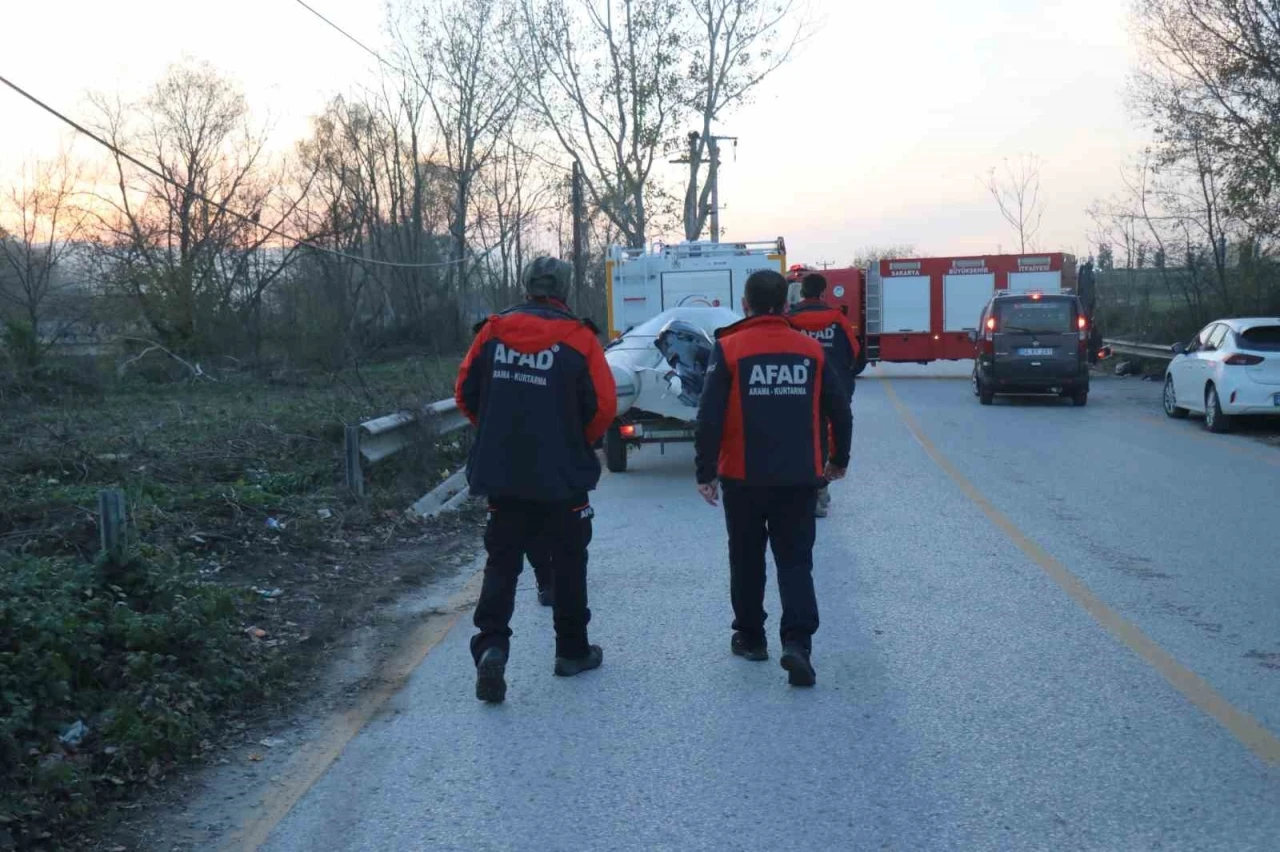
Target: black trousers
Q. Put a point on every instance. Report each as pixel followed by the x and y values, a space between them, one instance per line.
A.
pixel 540 560
pixel 824 424
pixel 782 518
pixel 562 530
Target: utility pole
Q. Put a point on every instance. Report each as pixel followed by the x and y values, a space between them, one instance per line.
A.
pixel 691 211
pixel 714 177
pixel 714 143
pixel 579 259
pixel 691 200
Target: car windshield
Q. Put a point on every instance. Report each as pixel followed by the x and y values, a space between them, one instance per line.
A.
pixel 1034 315
pixel 1262 338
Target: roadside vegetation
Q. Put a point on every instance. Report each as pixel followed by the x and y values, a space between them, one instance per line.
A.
pixel 1191 233
pixel 247 557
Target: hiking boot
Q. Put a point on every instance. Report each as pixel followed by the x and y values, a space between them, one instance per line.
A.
pixel 568 667
pixel 754 649
pixel 795 659
pixel 546 596
pixel 491 684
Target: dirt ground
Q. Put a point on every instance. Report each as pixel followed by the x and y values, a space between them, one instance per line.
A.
pixel 369 607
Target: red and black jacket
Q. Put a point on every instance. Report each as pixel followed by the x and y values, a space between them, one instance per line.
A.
pixel 831 328
pixel 767 387
pixel 536 385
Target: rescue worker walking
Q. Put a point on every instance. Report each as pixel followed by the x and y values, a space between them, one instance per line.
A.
pixel 536 385
pixel 831 328
pixel 539 555
pixel 767 388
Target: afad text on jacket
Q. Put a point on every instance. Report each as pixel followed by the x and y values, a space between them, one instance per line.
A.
pixel 767 387
pixel 831 328
pixel 536 385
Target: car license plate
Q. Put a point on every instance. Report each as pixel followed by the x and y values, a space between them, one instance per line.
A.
pixel 1035 352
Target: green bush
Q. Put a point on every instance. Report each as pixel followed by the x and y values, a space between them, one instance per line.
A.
pixel 144 655
pixel 21 343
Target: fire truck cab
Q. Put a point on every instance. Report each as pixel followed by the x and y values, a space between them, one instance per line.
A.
pixel 846 291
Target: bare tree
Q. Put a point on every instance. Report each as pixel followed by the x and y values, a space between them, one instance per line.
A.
pixel 473 98
pixel 171 241
pixel 378 196
pixel 740 43
pixel 1210 77
pixel 873 254
pixel 516 191
pixel 46 227
pixel 1017 193
pixel 1176 214
pixel 336 295
pixel 605 79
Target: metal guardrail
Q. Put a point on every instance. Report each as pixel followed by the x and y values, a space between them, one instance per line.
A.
pixel 382 437
pixel 386 436
pixel 1141 350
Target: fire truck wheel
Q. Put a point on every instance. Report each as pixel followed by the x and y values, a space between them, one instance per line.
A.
pixel 615 450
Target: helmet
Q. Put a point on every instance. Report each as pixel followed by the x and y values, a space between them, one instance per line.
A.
pixel 549 277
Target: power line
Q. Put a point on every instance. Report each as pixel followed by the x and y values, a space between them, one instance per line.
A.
pixel 399 70
pixel 350 37
pixel 220 206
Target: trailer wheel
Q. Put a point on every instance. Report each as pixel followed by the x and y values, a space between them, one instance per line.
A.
pixel 615 450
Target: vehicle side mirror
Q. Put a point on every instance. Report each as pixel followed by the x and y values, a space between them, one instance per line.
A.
pixel 1178 348
pixel 973 336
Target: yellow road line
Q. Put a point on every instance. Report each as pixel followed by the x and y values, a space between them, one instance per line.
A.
pixel 310 763
pixel 1194 688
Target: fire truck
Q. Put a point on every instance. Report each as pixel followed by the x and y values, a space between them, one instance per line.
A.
pixel 923 309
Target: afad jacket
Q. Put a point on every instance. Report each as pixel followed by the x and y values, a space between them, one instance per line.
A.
pixel 759 419
pixel 831 328
pixel 537 387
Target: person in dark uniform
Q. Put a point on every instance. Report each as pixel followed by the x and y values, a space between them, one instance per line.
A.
pixel 536 385
pixel 539 556
pixel 758 435
pixel 831 328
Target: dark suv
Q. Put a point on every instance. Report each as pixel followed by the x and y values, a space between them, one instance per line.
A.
pixel 1032 343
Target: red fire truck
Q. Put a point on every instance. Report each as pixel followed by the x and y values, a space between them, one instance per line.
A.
pixel 922 309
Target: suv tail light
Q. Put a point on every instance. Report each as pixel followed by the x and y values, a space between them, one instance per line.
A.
pixel 1242 360
pixel 986 343
pixel 1082 325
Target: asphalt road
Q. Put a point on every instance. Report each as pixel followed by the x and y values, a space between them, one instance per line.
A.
pixel 1043 628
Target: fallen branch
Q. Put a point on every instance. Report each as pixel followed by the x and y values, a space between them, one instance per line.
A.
pixel 152 346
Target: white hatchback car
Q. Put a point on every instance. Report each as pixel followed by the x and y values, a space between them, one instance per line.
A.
pixel 1231 367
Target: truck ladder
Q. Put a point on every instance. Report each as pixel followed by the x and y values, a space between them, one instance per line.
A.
pixel 875 312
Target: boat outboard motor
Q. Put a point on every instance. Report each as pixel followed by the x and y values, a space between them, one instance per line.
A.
pixel 687 349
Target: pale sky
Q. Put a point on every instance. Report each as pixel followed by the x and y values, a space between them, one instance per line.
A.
pixel 877 132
